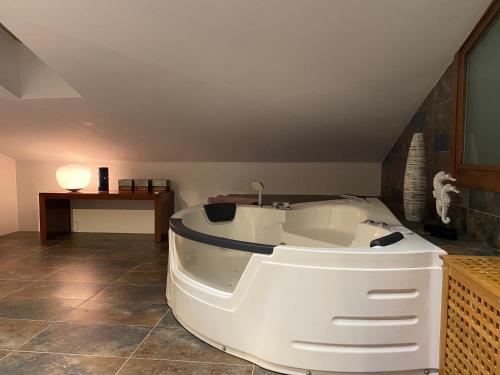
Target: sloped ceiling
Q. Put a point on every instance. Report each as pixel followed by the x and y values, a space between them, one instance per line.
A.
pixel 229 80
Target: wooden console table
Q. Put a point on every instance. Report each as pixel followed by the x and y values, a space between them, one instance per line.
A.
pixel 55 210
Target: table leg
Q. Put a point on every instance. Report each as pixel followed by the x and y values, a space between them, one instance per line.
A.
pixel 164 208
pixel 55 217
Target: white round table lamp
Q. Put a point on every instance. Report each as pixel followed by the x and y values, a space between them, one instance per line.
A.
pixel 73 177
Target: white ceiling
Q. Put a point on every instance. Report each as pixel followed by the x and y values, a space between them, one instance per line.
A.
pixel 229 80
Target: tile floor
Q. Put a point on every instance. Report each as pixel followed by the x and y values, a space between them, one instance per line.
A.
pixel 95 304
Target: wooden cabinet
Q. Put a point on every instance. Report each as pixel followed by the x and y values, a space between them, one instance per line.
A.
pixel 470 325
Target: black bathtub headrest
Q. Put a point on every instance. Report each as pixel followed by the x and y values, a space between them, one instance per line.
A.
pixel 387 240
pixel 217 212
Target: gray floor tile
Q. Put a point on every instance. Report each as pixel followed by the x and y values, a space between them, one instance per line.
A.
pixel 18 363
pixel 169 320
pixel 75 338
pixel 18 272
pixel 105 241
pixel 179 344
pixel 85 274
pixel 160 257
pixel 44 260
pixel 37 308
pixel 165 367
pixel 24 238
pixel 143 278
pixel 16 332
pixel 155 265
pixel 75 254
pixel 9 259
pixel 10 286
pixel 137 255
pixel 132 293
pixel 60 289
pixel 111 264
pixel 260 371
pixel 118 313
pixel 114 322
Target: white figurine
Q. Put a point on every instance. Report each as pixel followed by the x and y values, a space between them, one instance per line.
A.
pixel 441 194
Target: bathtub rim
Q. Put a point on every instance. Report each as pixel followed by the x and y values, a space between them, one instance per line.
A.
pixel 177 226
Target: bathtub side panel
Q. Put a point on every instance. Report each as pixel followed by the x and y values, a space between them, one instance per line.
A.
pixel 326 319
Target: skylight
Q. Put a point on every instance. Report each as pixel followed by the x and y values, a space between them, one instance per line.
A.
pixel 23 75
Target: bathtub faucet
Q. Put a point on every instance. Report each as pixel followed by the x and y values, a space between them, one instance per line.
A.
pixel 353 197
pixel 380 224
pixel 282 205
pixel 259 186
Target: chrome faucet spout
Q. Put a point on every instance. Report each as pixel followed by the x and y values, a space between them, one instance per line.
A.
pixel 259 186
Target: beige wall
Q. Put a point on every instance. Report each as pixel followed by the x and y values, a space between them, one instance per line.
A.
pixel 193 183
pixel 8 195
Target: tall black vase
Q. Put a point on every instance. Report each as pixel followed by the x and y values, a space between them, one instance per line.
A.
pixel 103 180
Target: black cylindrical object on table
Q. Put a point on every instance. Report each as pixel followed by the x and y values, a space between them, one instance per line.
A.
pixel 103 180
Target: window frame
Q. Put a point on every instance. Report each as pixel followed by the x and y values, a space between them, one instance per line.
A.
pixel 479 176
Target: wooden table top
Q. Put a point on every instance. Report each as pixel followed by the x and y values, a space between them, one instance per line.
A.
pixel 115 195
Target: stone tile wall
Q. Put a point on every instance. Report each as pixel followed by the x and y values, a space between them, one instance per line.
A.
pixel 473 212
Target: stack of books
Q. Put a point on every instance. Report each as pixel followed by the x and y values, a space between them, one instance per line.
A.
pixel 142 185
pixel 126 185
pixel 160 184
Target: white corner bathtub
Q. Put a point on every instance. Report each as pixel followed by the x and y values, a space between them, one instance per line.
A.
pixel 301 291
